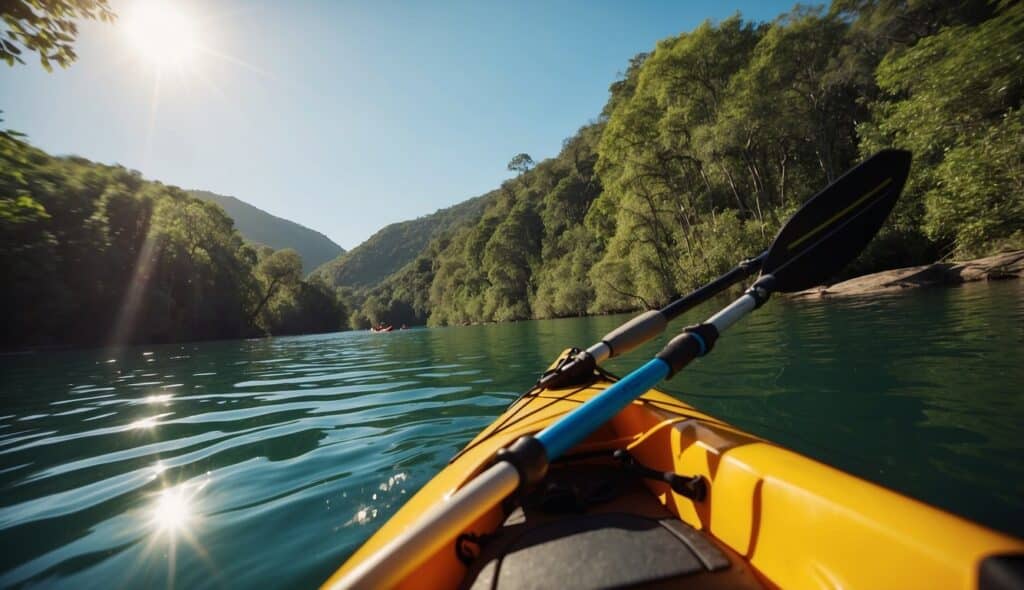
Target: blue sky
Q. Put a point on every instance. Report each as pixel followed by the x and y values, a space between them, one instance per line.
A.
pixel 346 116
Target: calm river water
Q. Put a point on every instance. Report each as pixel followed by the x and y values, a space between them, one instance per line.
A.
pixel 267 462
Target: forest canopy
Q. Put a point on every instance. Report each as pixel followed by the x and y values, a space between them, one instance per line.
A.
pixel 711 140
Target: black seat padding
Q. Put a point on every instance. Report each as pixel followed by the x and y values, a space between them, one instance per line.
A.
pixel 605 550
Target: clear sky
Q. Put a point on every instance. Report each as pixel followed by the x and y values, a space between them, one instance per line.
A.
pixel 346 116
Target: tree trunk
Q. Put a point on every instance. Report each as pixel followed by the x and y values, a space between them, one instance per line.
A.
pixel 266 298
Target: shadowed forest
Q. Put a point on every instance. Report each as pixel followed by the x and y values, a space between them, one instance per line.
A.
pixel 94 254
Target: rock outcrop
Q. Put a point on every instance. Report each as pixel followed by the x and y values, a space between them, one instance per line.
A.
pixel 1006 265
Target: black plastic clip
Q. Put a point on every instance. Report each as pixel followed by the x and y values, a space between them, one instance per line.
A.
pixel 692 487
pixel 575 369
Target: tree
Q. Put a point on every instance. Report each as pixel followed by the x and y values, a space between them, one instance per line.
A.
pixel 954 100
pixel 282 268
pixel 47 27
pixel 520 163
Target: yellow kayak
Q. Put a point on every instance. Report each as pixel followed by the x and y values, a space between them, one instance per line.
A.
pixel 666 496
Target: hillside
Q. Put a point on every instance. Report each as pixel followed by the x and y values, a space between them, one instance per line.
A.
pixel 258 226
pixel 394 246
pixel 713 138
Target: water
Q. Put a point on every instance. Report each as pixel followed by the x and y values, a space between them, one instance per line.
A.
pixel 267 462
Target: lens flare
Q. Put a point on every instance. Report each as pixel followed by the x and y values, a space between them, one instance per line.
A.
pixel 162 34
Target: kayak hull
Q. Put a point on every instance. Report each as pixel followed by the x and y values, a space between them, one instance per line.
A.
pixel 795 522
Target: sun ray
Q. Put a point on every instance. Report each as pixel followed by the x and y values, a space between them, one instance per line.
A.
pixel 174 517
pixel 154 105
pixel 136 292
pixel 236 61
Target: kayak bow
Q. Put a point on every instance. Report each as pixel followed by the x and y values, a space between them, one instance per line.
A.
pixel 741 506
pixel 769 517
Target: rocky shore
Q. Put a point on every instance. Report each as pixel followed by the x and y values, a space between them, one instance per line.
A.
pixel 1006 265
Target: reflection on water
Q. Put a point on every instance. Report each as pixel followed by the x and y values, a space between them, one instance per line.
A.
pixel 174 509
pixel 267 462
pixel 144 423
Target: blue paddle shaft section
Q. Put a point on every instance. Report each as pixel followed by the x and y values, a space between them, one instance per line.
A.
pixel 579 423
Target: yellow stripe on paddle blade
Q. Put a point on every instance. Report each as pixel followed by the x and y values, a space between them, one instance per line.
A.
pixel 830 220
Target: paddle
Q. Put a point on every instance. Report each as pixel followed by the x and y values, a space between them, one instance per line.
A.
pixel 643 327
pixel 649 324
pixel 822 237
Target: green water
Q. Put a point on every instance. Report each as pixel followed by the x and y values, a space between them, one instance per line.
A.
pixel 267 462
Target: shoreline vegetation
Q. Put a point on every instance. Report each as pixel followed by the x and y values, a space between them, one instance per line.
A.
pixel 999 267
pixel 95 255
pixel 704 146
pixel 712 139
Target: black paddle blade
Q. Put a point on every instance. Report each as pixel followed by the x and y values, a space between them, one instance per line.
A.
pixel 835 225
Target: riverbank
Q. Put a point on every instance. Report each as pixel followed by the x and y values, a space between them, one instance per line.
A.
pixel 1005 265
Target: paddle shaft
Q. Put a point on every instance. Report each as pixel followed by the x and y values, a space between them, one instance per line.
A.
pixel 870 188
pixel 695 298
pixel 395 561
pixel 647 325
pixel 579 423
pixel 818 240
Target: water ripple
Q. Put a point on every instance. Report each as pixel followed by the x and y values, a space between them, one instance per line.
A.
pixel 266 462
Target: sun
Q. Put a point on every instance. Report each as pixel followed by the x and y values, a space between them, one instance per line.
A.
pixel 162 34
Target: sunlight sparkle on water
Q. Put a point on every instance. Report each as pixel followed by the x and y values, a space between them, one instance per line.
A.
pixel 144 424
pixel 363 516
pixel 173 509
pixel 392 481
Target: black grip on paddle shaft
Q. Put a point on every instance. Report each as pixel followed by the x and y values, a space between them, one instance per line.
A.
pixel 635 332
pixel 695 341
pixel 529 458
pixel 646 326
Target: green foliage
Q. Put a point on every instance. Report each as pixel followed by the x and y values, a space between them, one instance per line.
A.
pixel 520 163
pixel 712 139
pixel 306 307
pixel 979 196
pixel 95 255
pixel 563 284
pixel 953 98
pixel 47 27
pixel 280 275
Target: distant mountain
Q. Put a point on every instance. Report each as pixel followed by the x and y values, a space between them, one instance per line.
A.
pixel 397 244
pixel 258 226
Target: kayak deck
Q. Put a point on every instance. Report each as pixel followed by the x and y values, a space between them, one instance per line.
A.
pixel 782 519
pixel 605 514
